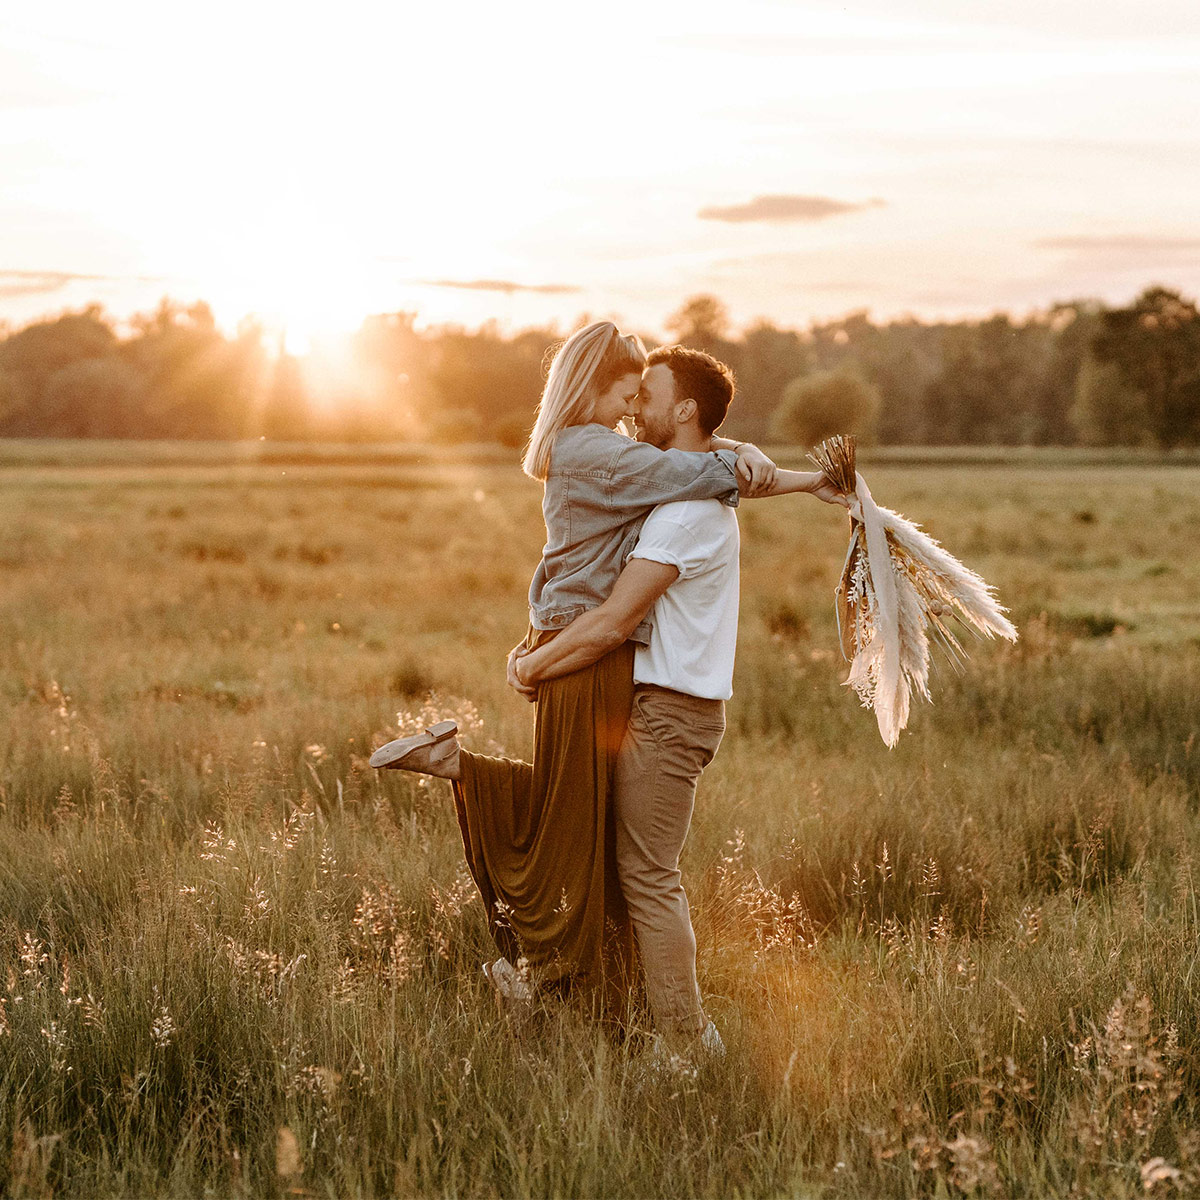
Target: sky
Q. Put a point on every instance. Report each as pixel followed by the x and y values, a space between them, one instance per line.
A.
pixel 534 162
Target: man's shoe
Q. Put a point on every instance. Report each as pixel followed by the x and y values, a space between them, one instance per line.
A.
pixel 711 1041
pixel 681 1058
pixel 434 752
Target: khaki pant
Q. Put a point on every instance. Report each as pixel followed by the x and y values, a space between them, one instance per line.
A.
pixel 671 738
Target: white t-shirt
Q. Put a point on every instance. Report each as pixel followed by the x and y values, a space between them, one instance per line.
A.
pixel 695 620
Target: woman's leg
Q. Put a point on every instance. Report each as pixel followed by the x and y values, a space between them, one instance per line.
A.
pixel 540 838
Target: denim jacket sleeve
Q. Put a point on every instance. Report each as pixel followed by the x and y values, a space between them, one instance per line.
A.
pixel 642 475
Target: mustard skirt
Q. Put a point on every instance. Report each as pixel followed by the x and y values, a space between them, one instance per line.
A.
pixel 540 840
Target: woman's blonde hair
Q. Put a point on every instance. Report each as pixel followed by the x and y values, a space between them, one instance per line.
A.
pixel 585 366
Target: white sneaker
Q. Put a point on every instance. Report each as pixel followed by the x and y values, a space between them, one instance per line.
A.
pixel 711 1041
pixel 510 986
pixel 664 1060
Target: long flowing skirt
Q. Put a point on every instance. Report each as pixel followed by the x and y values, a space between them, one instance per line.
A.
pixel 539 837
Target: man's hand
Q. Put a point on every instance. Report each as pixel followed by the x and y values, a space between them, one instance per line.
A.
pixel 756 469
pixel 827 492
pixel 527 690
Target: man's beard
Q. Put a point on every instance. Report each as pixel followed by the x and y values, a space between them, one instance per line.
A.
pixel 658 436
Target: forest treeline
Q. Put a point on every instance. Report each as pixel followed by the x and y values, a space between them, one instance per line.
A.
pixel 1080 373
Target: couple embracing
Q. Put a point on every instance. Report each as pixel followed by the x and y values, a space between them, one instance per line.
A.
pixel 629 660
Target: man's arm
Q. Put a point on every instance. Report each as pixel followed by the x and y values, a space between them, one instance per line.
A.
pixel 787 482
pixel 593 634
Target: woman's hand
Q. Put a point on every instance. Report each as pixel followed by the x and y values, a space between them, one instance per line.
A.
pixel 756 469
pixel 529 691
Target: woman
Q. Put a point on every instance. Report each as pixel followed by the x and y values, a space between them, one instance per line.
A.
pixel 539 836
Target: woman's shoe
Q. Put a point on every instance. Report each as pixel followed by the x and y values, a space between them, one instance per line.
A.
pixel 434 752
pixel 512 988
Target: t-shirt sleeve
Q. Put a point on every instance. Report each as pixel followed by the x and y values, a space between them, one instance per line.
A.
pixel 668 542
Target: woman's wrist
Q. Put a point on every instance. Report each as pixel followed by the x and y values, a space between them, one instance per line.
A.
pixel 522 679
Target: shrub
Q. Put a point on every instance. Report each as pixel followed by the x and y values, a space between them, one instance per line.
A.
pixel 815 406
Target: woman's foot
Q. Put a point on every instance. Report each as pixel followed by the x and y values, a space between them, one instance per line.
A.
pixel 512 988
pixel 434 752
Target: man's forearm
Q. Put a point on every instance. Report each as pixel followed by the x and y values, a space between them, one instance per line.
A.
pixel 586 640
pixel 599 631
pixel 787 482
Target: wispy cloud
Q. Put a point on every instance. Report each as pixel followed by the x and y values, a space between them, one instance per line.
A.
pixel 1132 243
pixel 14 283
pixel 785 208
pixel 507 286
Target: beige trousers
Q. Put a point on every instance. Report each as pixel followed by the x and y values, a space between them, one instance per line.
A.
pixel 671 738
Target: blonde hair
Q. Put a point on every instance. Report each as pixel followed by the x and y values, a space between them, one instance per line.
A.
pixel 586 364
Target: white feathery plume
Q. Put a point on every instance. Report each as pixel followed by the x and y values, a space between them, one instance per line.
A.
pixel 897 585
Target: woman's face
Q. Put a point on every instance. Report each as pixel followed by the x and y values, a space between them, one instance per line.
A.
pixel 617 401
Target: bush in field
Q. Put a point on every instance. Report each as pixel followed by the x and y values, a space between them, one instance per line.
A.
pixel 814 406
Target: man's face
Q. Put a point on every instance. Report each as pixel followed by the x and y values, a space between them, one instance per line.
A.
pixel 654 408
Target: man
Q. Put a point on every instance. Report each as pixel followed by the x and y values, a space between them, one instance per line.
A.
pixel 683 574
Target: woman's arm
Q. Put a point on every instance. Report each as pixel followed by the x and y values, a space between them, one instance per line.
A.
pixel 642 476
pixel 755 471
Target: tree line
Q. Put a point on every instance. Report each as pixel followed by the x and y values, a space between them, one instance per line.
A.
pixel 1080 373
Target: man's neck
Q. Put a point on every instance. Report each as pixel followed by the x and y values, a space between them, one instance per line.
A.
pixel 688 437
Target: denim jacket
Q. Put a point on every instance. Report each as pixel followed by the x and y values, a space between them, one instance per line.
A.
pixel 600 487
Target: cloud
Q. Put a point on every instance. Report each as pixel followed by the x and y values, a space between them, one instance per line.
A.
pixel 14 283
pixel 507 286
pixel 1131 243
pixel 37 283
pixel 785 208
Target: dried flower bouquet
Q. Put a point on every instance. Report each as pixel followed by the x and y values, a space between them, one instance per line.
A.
pixel 898 587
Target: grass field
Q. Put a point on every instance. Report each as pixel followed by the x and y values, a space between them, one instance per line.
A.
pixel 237 962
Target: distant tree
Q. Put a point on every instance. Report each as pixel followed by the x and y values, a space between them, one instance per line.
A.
pixel 287 412
pixel 770 358
pixel 394 362
pixel 1055 410
pixel 46 346
pixel 701 322
pixel 485 373
pixel 12 399
pixel 902 359
pixel 31 356
pixel 826 402
pixel 93 397
pixel 991 372
pixel 198 383
pixel 1107 411
pixel 1155 345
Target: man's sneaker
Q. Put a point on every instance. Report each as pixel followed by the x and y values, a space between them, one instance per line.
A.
pixel 711 1041
pixel 664 1060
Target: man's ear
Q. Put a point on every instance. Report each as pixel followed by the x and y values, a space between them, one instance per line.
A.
pixel 685 410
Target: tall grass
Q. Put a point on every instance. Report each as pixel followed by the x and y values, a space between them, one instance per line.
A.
pixel 236 961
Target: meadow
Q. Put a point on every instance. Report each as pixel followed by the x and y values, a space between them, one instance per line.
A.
pixel 235 961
